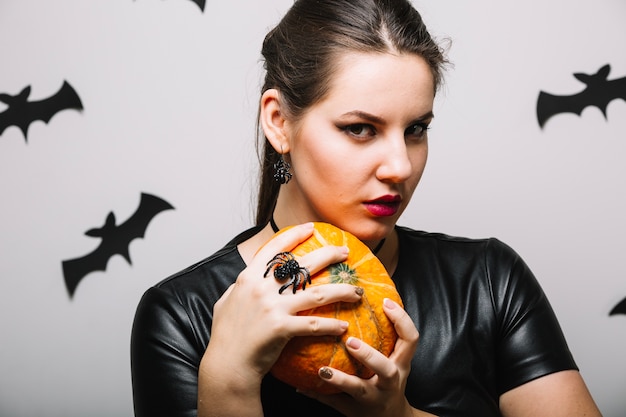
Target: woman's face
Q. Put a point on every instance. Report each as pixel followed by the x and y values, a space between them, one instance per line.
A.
pixel 358 154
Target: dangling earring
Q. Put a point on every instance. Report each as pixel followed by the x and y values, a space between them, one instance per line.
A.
pixel 282 175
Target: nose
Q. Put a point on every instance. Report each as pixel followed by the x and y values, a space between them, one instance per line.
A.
pixel 396 165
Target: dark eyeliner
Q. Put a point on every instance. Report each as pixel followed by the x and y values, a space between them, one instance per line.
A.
pixel 348 129
pixel 423 126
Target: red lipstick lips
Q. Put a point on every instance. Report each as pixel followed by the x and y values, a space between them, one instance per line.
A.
pixel 384 206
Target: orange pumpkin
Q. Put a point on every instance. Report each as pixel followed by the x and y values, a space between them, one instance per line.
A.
pixel 302 358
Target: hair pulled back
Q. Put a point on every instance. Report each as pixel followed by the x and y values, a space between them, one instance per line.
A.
pixel 301 52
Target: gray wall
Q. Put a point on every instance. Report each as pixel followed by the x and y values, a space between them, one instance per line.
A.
pixel 170 93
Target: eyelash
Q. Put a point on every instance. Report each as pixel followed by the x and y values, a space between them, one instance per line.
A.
pixel 424 128
pixel 350 130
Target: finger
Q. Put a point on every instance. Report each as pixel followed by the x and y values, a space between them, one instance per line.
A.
pixel 299 271
pixel 408 335
pixel 385 369
pixel 309 264
pixel 319 259
pixel 320 295
pixel 283 242
pixel 349 384
pixel 315 326
pixel 301 268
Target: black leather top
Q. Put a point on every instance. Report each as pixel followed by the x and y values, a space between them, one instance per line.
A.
pixel 485 327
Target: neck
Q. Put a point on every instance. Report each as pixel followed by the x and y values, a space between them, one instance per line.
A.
pixel 376 250
pixel 389 252
pixel 275 228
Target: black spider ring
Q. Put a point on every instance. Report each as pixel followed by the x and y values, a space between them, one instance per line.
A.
pixel 287 268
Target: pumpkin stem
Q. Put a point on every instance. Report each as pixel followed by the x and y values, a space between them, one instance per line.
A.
pixel 343 274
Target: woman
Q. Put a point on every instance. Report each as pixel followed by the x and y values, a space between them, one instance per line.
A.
pixel 345 109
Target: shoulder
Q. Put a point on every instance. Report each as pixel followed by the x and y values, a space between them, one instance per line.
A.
pixel 181 305
pixel 481 290
pixel 486 263
pixel 224 260
pixel 207 279
pixel 444 245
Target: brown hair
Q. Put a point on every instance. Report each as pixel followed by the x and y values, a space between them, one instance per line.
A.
pixel 299 55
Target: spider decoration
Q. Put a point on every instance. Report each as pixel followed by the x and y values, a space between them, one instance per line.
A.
pixel 281 171
pixel 286 267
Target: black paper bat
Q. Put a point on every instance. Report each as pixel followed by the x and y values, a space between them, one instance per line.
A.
pixel 115 240
pixel 620 308
pixel 600 91
pixel 200 3
pixel 22 113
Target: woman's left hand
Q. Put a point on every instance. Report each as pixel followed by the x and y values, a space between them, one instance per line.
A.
pixel 382 394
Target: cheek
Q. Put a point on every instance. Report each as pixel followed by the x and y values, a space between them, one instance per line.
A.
pixel 423 158
pixel 312 165
pixel 328 179
pixel 320 155
pixel 418 161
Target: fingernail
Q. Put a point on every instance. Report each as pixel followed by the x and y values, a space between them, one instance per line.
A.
pixel 344 325
pixel 390 304
pixel 353 342
pixel 359 291
pixel 325 373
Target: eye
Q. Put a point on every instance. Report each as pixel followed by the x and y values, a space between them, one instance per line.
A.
pixel 417 130
pixel 360 130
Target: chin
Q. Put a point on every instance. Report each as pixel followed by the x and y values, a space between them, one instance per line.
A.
pixel 371 234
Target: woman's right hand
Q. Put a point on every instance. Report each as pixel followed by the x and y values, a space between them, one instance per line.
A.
pixel 252 322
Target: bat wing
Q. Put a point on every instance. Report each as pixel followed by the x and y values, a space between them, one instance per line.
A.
pixel 74 270
pixel 620 308
pixel 200 3
pixel 601 94
pixel 115 241
pixel 615 89
pixel 22 113
pixel 5 121
pixel 66 98
pixel 15 114
pixel 136 225
pixel 549 105
pixel 597 94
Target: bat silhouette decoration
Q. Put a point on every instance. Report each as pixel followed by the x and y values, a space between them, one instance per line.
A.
pixel 599 92
pixel 200 3
pixel 115 240
pixel 620 308
pixel 22 113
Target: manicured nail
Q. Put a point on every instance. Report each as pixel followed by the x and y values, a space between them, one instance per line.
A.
pixel 359 291
pixel 353 342
pixel 390 304
pixel 325 372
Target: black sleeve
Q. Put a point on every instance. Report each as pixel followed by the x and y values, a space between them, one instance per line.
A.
pixel 165 355
pixel 531 343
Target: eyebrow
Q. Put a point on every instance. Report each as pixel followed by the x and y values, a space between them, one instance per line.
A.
pixel 379 120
